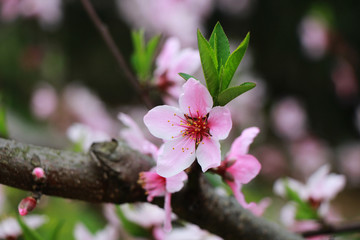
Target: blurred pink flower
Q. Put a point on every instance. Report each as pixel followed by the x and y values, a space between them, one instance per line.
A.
pixel 307 155
pixel 135 138
pixel 9 9
pixel 84 135
pixel 87 108
pixel 273 161
pixel 168 17
pixel 47 12
pixel 145 214
pixel 287 217
pixel 171 61
pixel 156 185
pixel 108 233
pixel 289 119
pixel 321 187
pixel 10 229
pixel 240 168
pixel 314 37
pixel 191 131
pixel 44 101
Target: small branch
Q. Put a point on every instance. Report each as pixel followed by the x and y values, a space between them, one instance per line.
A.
pixel 105 34
pixel 109 173
pixel 332 229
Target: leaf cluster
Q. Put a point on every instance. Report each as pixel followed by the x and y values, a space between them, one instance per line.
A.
pixel 219 65
pixel 143 54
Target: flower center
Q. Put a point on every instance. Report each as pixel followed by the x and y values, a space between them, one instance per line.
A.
pixel 195 127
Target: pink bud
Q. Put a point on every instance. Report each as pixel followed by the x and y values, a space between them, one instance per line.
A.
pixel 38 174
pixel 26 205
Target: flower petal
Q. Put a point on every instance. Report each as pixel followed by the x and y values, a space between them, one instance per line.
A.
pixel 241 144
pixel 164 122
pixel 176 183
pixel 167 54
pixel 219 122
pixel 208 153
pixel 195 99
pixel 245 169
pixel 188 61
pixel 175 156
pixel 236 189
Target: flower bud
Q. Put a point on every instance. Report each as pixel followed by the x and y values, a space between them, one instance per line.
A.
pixel 38 174
pixel 26 205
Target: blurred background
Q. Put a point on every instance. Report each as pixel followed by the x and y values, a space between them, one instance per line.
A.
pixel 55 70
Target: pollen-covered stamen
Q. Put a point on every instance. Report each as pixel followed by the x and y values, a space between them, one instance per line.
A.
pixel 195 126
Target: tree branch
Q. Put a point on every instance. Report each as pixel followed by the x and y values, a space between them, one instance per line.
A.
pixel 109 173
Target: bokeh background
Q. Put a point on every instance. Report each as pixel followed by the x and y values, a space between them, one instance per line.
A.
pixel 55 70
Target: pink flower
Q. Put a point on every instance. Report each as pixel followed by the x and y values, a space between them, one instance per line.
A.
pixel 135 138
pixel 44 101
pixel 239 167
pixel 191 131
pixel 156 185
pixel 170 62
pixel 320 188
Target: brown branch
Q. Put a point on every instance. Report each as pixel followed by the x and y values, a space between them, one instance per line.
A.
pixel 105 34
pixel 109 173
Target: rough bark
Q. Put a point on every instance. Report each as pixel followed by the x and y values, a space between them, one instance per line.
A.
pixel 109 173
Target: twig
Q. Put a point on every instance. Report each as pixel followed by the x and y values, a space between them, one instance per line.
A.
pixel 105 34
pixel 333 229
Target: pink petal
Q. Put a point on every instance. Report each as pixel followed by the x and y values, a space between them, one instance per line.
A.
pixel 259 208
pixel 164 122
pixel 188 61
pixel 245 168
pixel 176 156
pixel 196 99
pixel 208 153
pixel 167 54
pixel 168 211
pixel 236 189
pixel 241 144
pixel 329 188
pixel 219 122
pixel 176 183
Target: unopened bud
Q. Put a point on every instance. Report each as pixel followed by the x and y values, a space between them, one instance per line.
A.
pixel 26 205
pixel 38 174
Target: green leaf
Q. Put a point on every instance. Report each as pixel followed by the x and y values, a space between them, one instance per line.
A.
pixel 209 65
pixel 233 62
pixel 143 54
pixel 304 210
pixel 55 232
pixel 3 125
pixel 231 93
pixel 29 234
pixel 131 227
pixel 186 76
pixel 220 43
